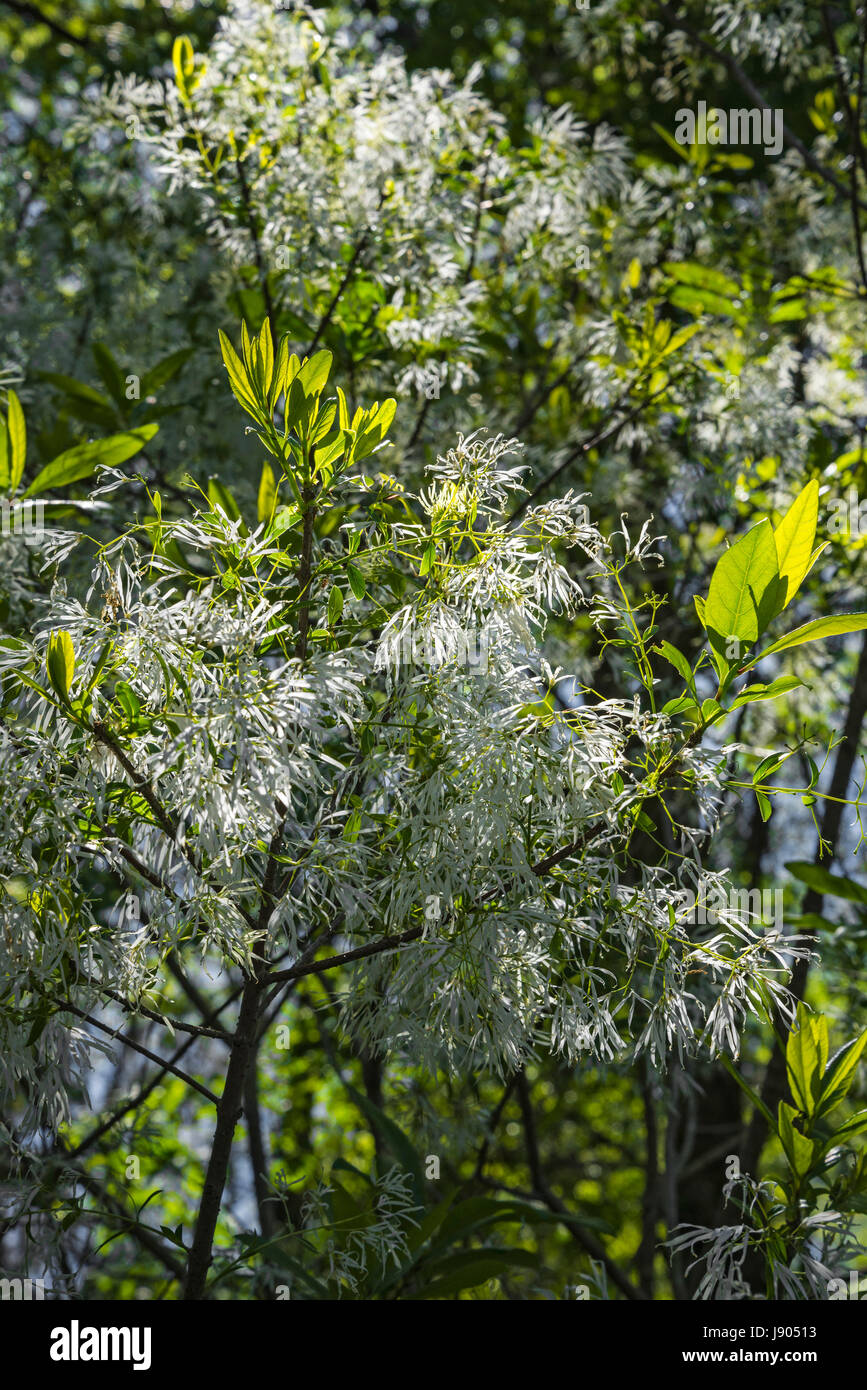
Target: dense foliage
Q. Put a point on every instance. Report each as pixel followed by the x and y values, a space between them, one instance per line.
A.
pixel 433 672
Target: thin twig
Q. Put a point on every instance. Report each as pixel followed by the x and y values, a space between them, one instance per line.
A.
pixel 65 1006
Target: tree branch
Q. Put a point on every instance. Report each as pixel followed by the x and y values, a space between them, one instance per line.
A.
pixel 572 1223
pixel 66 1007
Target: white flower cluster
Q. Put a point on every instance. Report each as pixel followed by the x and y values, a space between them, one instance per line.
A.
pixel 340 163
pixel 465 807
pixel 819 1247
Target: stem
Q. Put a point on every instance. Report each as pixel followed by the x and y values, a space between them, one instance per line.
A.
pixel 583 1237
pixel 257 1148
pixel 305 571
pixel 228 1113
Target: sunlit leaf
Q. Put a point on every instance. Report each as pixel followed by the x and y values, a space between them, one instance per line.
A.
pixel 84 459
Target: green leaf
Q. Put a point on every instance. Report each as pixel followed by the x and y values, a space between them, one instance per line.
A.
pixel 349 1214
pixel 128 700
pixel 60 662
pixel 678 661
pixel 79 390
pixel 356 581
pixel 343 410
pixel 797 1147
pixel 375 428
pixel 84 459
pixel 221 499
pixel 324 421
pixel 794 539
pixel 164 370
pixel 282 363
pixel 427 559
pixel 335 604
pixel 431 1223
pixel 110 372
pixel 803 1059
pixel 702 277
pixel 265 358
pixel 285 518
pixel 683 704
pixel 814 631
pixel 472 1214
pixel 848 1130
pixel 764 804
pixel 699 302
pixel 738 584
pixel 239 379
pixel 473 1267
pixel 43 1014
pixel 682 336
pixel 17 441
pixel 394 1137
pixel 267 499
pixel 5 475
pixel 840 1074
pixel 315 372
pixel 824 882
pixel 342 1165
pixel 754 693
pixel 769 765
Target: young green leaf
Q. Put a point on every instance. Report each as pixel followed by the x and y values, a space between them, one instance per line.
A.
pixel 17 441
pixel 753 693
pixel 5 475
pixel 280 370
pixel 769 765
pixel 239 379
pixel 796 1146
pixel 314 374
pixel 764 804
pixel 343 408
pixel 335 604
pixel 738 584
pixel 840 1074
pixel 267 499
pixel 265 356
pixel 804 1062
pixel 374 427
pixel 427 559
pixel 794 539
pixel 60 662
pixel 678 661
pixel 128 700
